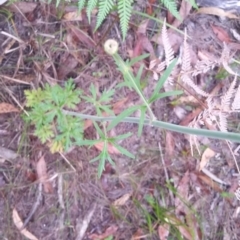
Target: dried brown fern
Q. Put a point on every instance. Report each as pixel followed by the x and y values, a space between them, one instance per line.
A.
pixel 225 59
pixel 157 66
pixel 186 58
pixel 222 121
pixel 203 66
pixel 226 99
pixel 217 110
pixel 236 101
pixel 169 53
pixel 186 68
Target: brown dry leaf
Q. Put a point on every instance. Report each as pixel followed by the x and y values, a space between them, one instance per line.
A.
pixel 87 123
pixel 73 16
pixel 217 12
pixel 23 7
pixel 19 224
pixel 209 182
pixel 109 231
pixel 150 4
pixel 120 105
pixel 170 18
pixel 41 169
pixel 207 155
pixel 170 144
pixel 221 33
pixel 182 227
pixel 182 190
pixel 69 64
pixel 193 224
pixel 163 231
pixel 198 183
pixel 139 234
pixel 111 149
pixel 143 43
pixel 184 12
pixel 186 232
pixel 7 108
pixel 81 35
pixel 28 78
pixel 142 28
pixel 122 200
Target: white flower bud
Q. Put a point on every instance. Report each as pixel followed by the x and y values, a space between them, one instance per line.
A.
pixel 111 46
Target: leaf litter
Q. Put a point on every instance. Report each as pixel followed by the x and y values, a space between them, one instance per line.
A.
pixel 146 172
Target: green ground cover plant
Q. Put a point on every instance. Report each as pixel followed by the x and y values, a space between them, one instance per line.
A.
pixel 51 111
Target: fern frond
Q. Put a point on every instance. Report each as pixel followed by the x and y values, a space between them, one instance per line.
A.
pixel 81 4
pixel 225 102
pixel 186 58
pixel 225 58
pixel 223 122
pixel 236 101
pixel 124 12
pixel 237 192
pixel 186 79
pixel 172 7
pixel 169 54
pixel 203 66
pixel 105 7
pixel 156 66
pixel 193 140
pixel 90 6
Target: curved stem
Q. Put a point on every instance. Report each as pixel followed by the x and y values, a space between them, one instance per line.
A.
pixel 235 137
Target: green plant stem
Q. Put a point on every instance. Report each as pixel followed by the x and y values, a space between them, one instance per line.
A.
pixel 130 78
pixel 235 137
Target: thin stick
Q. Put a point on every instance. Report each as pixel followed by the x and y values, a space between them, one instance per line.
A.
pixel 14 79
pixel 213 177
pixel 165 171
pixel 34 207
pixel 11 36
pixel 68 162
pixel 60 191
pixel 83 225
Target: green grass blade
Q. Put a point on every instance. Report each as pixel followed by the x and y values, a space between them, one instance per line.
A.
pixel 138 59
pixel 121 116
pixel 124 151
pixel 162 80
pixel 167 94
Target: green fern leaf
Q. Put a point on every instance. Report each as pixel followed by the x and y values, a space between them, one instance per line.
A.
pixel 124 12
pixel 172 7
pixel 105 7
pixel 81 4
pixel 90 6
